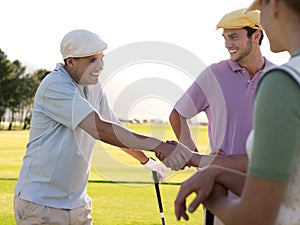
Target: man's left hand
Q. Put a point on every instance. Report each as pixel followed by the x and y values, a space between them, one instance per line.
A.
pixel 158 167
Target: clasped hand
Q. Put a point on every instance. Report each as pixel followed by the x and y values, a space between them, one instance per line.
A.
pixel 174 155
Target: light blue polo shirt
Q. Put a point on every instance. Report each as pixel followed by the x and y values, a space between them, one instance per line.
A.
pixel 57 162
pixel 225 92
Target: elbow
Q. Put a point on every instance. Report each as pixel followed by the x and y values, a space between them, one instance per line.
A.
pixel 99 134
pixel 104 131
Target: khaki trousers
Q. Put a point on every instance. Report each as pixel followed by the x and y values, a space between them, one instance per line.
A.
pixel 29 213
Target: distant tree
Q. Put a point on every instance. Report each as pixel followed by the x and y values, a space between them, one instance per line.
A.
pixel 27 89
pixel 16 90
pixel 6 75
pixel 38 76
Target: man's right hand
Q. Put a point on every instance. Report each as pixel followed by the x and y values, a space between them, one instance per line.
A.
pixel 175 155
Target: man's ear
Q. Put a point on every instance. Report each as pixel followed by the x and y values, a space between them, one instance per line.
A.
pixel 70 61
pixel 257 35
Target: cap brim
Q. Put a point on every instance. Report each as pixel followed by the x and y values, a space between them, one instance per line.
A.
pixel 254 6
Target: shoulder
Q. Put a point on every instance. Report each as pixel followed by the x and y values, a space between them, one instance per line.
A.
pixel 57 78
pixel 279 81
pixel 268 63
pixel 291 69
pixel 220 65
pixel 217 72
pixel 56 84
pixel 216 68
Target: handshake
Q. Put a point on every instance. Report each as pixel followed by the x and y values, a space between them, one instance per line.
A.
pixel 174 155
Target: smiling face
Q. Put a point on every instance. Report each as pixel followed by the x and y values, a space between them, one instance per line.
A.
pixel 85 70
pixel 237 43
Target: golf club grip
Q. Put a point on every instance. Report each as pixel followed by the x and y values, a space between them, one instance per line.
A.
pixel 155 177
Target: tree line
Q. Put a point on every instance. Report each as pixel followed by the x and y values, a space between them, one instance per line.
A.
pixel 17 90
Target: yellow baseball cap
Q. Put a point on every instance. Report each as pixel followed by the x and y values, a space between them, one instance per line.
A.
pixel 239 19
pixel 254 6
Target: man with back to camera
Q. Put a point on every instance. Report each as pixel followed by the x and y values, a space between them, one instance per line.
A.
pixel 68 116
pixel 225 92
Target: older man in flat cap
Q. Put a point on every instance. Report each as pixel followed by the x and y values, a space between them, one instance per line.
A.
pixel 225 92
pixel 70 112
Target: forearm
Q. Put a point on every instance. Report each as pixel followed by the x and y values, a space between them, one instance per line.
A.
pixel 117 135
pixel 176 155
pixel 181 130
pixel 235 162
pixel 230 179
pixel 237 212
pixel 211 187
pixel 139 155
pixel 259 203
pixel 227 210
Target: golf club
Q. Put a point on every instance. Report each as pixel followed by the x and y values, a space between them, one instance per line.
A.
pixel 156 183
pixel 209 218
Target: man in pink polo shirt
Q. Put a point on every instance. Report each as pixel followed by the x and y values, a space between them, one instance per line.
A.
pixel 225 92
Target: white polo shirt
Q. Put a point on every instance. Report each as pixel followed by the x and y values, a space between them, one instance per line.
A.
pixel 58 156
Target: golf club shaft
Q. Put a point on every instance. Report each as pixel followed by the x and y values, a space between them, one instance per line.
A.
pixel 209 218
pixel 156 183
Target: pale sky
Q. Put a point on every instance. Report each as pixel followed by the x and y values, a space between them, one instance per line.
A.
pixel 31 30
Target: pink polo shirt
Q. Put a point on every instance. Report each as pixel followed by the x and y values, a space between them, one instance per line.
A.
pixel 225 92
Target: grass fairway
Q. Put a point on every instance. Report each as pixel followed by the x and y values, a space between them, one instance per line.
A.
pixel 121 190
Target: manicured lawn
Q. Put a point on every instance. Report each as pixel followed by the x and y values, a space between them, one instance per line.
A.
pixel 115 204
pixel 121 189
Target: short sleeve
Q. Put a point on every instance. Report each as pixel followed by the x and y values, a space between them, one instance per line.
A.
pixel 63 103
pixel 194 100
pixel 105 110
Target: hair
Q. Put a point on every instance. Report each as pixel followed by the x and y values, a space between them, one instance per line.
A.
pixel 292 4
pixel 251 31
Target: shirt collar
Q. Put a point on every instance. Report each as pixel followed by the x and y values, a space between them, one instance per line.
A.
pixel 236 67
pixel 59 67
pixel 296 54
